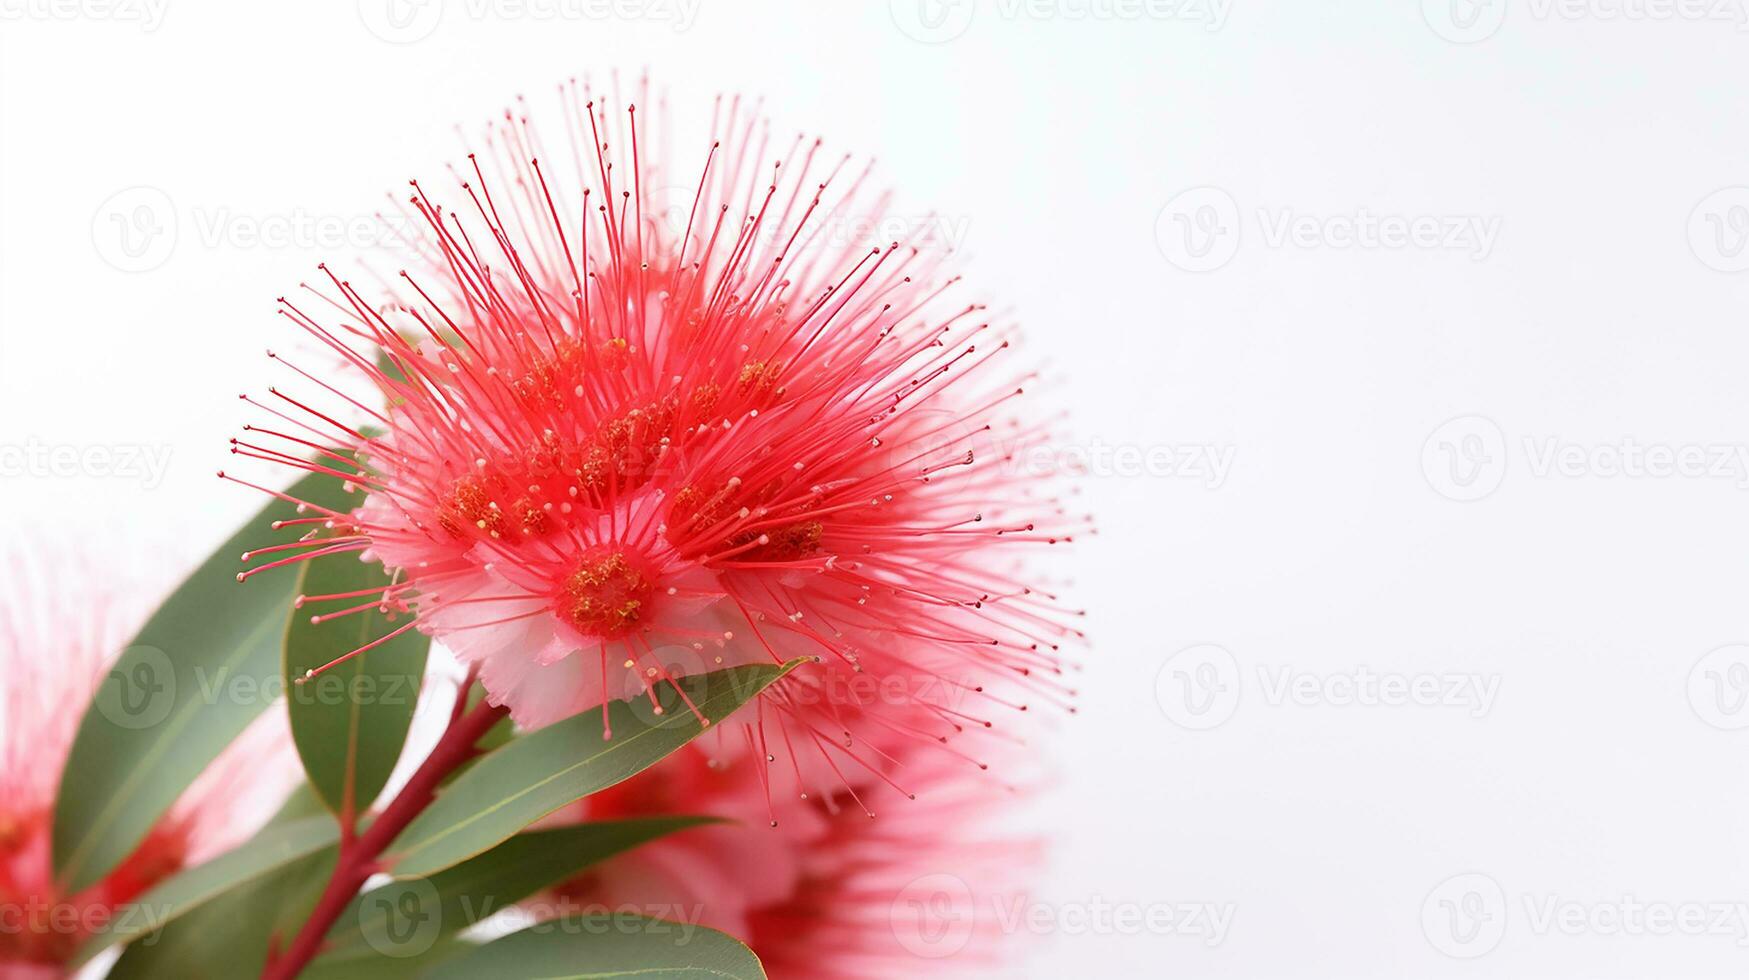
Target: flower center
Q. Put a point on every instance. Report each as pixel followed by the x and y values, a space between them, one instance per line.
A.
pixel 605 595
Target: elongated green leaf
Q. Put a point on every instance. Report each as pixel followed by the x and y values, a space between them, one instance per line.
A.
pixel 536 774
pixel 368 964
pixel 267 852
pixel 402 918
pixel 228 939
pixel 599 946
pixel 350 722
pixel 203 667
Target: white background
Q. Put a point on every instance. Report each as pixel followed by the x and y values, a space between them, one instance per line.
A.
pixel 1604 311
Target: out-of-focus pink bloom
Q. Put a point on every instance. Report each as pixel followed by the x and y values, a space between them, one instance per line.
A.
pixel 59 630
pixel 814 885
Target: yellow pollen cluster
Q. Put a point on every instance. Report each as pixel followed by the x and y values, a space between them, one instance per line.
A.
pixel 760 377
pixel 604 596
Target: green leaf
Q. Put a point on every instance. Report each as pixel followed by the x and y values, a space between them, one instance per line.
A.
pixel 203 667
pixel 267 852
pixel 229 939
pixel 565 761
pixel 598 946
pixel 403 918
pixel 350 722
pixel 368 964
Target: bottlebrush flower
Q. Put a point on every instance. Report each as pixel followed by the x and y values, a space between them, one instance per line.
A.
pixel 626 439
pixel 824 891
pixel 58 633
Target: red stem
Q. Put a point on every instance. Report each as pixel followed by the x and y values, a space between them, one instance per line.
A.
pixel 358 855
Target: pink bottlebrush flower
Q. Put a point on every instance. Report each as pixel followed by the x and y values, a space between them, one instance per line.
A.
pixel 626 440
pixel 85 621
pixel 822 891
